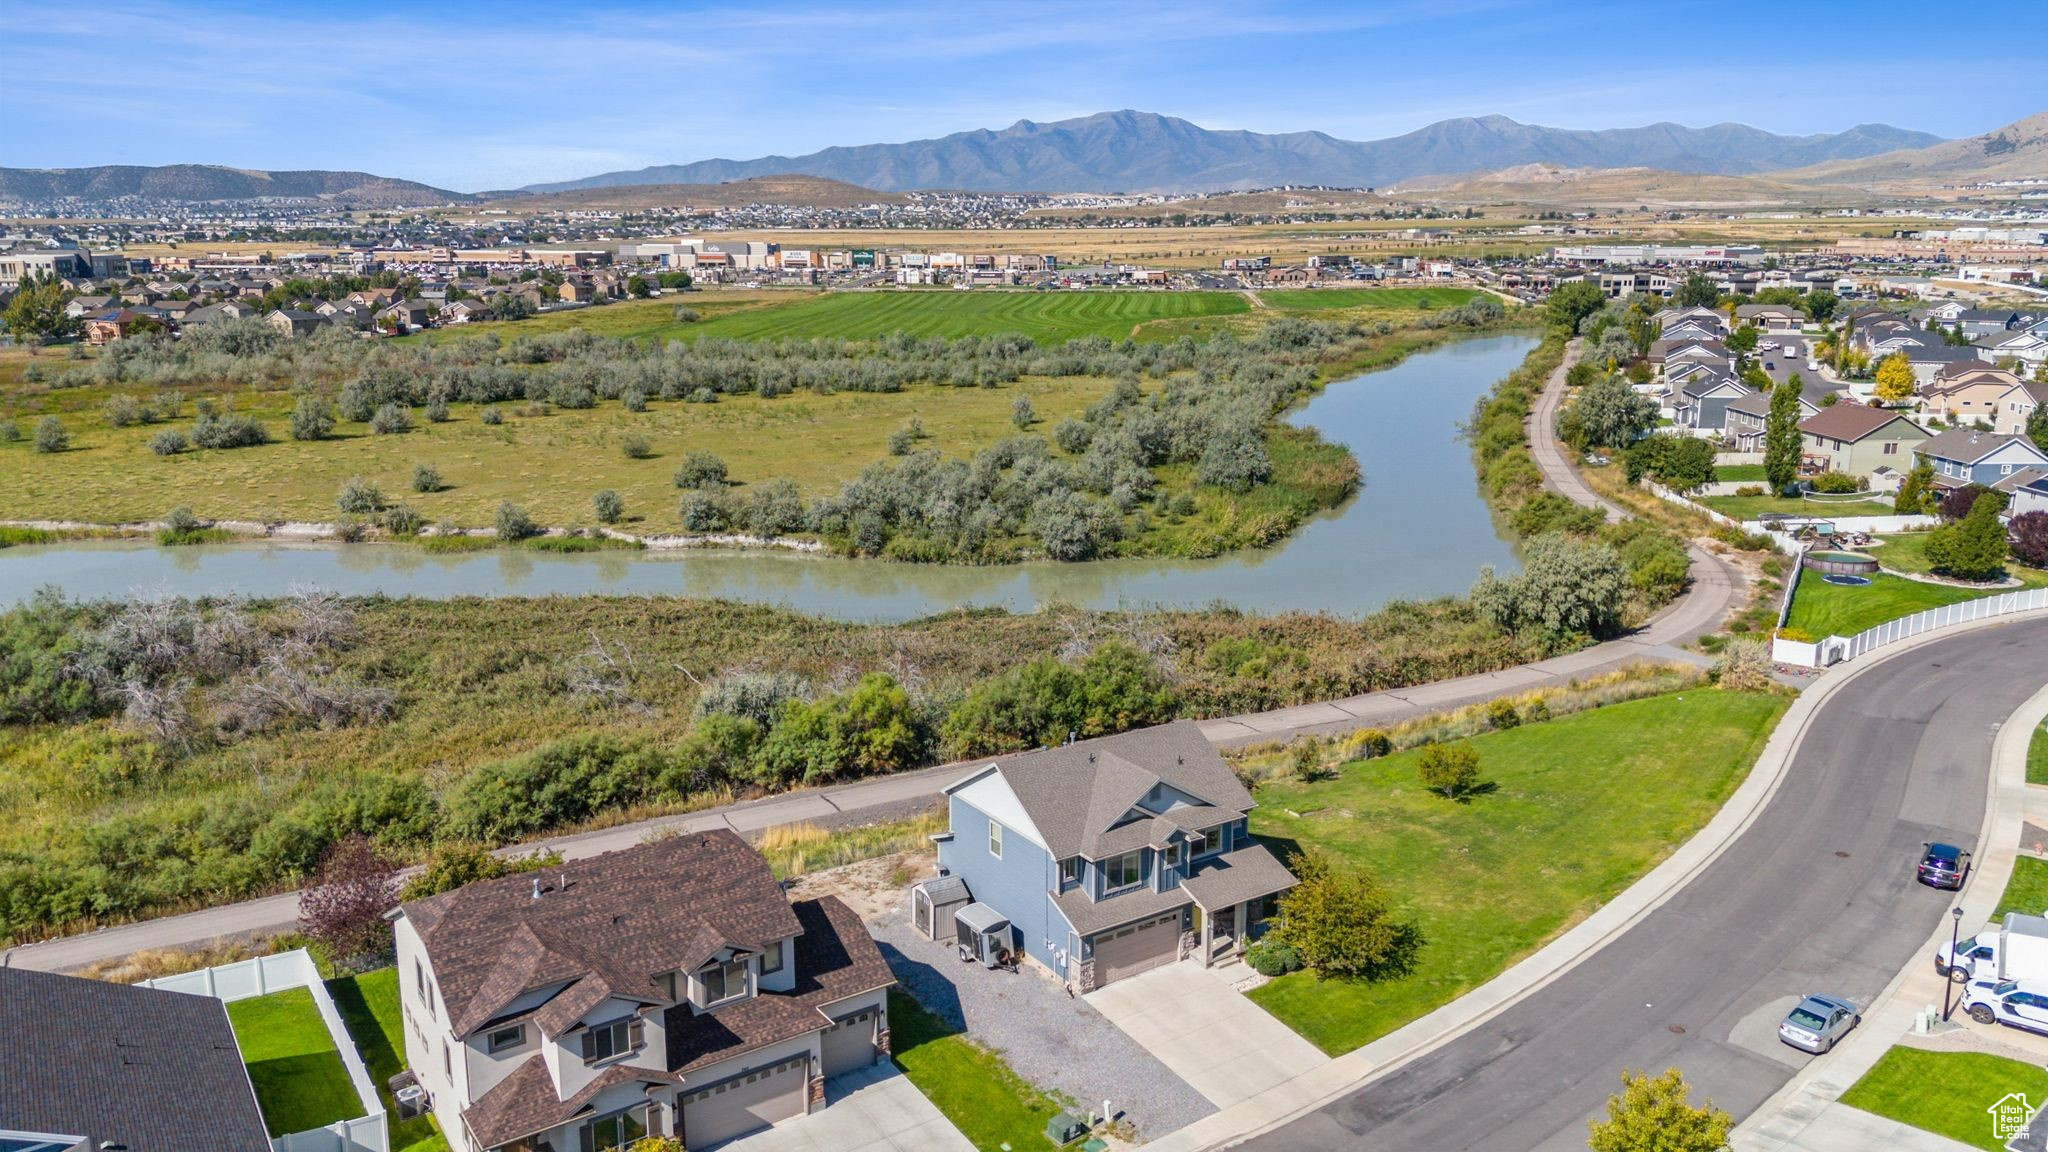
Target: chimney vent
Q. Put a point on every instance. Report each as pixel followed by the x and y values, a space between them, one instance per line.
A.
pixel 536 887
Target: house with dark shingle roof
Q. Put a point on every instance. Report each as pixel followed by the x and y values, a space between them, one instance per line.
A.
pixel 117 1066
pixel 671 989
pixel 1112 856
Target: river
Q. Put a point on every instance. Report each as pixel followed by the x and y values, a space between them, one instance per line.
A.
pixel 1417 529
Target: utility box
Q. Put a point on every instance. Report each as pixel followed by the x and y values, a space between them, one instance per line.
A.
pixel 1064 1129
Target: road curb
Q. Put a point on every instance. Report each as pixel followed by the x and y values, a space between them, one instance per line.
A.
pixel 1347 1073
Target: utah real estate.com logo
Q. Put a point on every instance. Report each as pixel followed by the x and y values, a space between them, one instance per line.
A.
pixel 2010 1116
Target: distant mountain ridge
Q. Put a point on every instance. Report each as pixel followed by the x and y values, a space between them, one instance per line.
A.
pixel 1131 151
pixel 207 182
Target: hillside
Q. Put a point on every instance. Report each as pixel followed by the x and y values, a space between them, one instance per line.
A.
pixel 1552 186
pixel 2015 151
pixel 208 182
pixel 1145 152
pixel 782 188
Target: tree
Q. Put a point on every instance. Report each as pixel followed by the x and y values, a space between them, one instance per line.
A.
pixel 1974 547
pixel 1020 412
pixel 1653 1114
pixel 312 419
pixel 1820 304
pixel 1611 414
pixel 342 908
pixel 1340 922
pixel 1894 378
pixel 2028 533
pixel 1566 588
pixel 1575 301
pixel 1956 503
pixel 1450 769
pixel 1913 495
pixel 1781 435
pixel 1681 463
pixel 513 523
pixel 638 287
pixel 51 435
pixel 1743 340
pixel 36 313
pixel 701 469
pixel 609 508
pixel 453 864
pixel 2037 423
pixel 1698 291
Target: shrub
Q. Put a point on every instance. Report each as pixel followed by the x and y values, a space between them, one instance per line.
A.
pixel 425 478
pixel 775 508
pixel 226 430
pixel 437 409
pixel 700 469
pixel 704 511
pixel 609 508
pixel 899 442
pixel 51 436
pixel 1021 413
pixel 181 521
pixel 1566 588
pixel 1451 769
pixel 312 419
pixel 1340 922
pixel 342 908
pixel 2029 535
pixel 870 730
pixel 513 522
pixel 390 420
pixel 1116 687
pixel 1837 483
pixel 1073 435
pixel 634 400
pixel 452 865
pixel 403 520
pixel 168 442
pixel 1372 743
pixel 359 497
pixel 635 447
pixel 1957 503
pixel 686 315
pixel 491 415
pixel 1234 462
pixel 1745 665
pixel 121 410
pixel 1270 957
pixel 1974 547
pixel 10 432
pixel 560 783
pixel 1501 714
pixel 1750 490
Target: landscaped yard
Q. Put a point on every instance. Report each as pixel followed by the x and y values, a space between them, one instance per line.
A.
pixel 1581 807
pixel 1751 507
pixel 975 1089
pixel 369 1006
pixel 1740 473
pixel 2027 890
pixel 299 1078
pixel 1823 609
pixel 2037 756
pixel 1907 552
pixel 1945 1092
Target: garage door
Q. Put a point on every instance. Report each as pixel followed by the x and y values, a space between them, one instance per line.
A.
pixel 742 1104
pixel 1135 948
pixel 850 1044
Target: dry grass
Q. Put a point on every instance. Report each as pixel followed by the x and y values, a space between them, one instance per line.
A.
pixel 793 850
pixel 154 963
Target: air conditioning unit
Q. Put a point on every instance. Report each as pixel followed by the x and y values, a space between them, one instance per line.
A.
pixel 412 1101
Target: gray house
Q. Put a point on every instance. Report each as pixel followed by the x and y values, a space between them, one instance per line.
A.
pixel 1964 456
pixel 1749 419
pixel 1105 858
pixel 1701 402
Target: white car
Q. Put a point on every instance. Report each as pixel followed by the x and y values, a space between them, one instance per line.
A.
pixel 2014 1003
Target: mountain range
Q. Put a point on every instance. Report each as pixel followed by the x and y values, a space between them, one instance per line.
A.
pixel 1131 151
pixel 207 182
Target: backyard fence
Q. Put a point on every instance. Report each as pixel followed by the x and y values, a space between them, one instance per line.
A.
pixel 245 979
pixel 1836 649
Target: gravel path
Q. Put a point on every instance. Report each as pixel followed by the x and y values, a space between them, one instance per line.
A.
pixel 1051 1040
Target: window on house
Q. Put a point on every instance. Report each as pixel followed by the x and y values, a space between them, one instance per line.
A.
pixel 500 1039
pixel 447 1060
pixel 1173 855
pixel 1070 871
pixel 723 981
pixel 1207 841
pixel 617 1131
pixel 771 958
pixel 604 1041
pixel 995 840
pixel 1891 447
pixel 1123 871
pixel 667 983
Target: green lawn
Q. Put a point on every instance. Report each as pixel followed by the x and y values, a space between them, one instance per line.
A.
pixel 1581 807
pixel 990 1104
pixel 2037 756
pixel 1825 609
pixel 1751 507
pixel 299 1078
pixel 1740 474
pixel 2027 891
pixel 1049 317
pixel 1945 1092
pixel 1907 552
pixel 1326 299
pixel 369 1006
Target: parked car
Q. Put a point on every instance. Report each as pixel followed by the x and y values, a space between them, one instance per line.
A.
pixel 1982 946
pixel 1941 866
pixel 1817 1023
pixel 2014 1003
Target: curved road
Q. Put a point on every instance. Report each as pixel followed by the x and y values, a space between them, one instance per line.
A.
pixel 1816 895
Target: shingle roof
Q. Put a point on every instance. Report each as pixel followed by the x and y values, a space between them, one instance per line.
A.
pixel 623 918
pixel 524 1102
pixel 1091 916
pixel 1968 445
pixel 147 1070
pixel 1850 421
pixel 1236 877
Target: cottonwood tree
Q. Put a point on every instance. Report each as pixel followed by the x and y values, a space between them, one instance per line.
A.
pixel 1566 588
pixel 1654 1114
pixel 1781 435
pixel 1698 291
pixel 1573 302
pixel 1610 414
pixel 36 313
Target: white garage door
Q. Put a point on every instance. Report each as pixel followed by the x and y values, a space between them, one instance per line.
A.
pixel 850 1044
pixel 742 1104
pixel 1135 948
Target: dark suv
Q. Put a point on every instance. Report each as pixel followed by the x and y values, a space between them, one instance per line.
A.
pixel 1941 866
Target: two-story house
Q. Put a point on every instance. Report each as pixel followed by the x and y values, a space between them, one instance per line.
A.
pixel 1106 857
pixel 1749 419
pixel 1966 393
pixel 1700 403
pixel 2016 407
pixel 1861 441
pixel 1961 457
pixel 669 989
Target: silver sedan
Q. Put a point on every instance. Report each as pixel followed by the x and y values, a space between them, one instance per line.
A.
pixel 1818 1023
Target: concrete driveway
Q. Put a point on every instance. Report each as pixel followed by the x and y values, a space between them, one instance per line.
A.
pixel 876 1109
pixel 1207 1032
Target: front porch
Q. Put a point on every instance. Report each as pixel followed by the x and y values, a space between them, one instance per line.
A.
pixel 1234 895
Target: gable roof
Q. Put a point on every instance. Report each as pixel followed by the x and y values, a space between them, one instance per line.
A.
pixel 1851 422
pixel 139 1068
pixel 1969 445
pixel 1078 795
pixel 623 918
pixel 1759 404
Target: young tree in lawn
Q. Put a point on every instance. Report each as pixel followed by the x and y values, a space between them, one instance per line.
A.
pixel 342 907
pixel 1974 547
pixel 1655 1114
pixel 1450 770
pixel 1894 378
pixel 1339 919
pixel 1781 435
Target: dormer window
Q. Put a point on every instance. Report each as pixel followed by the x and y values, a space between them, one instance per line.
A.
pixel 606 1041
pixel 771 958
pixel 1123 871
pixel 723 982
pixel 1070 871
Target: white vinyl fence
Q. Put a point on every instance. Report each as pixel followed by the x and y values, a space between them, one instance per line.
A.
pixel 1836 649
pixel 244 979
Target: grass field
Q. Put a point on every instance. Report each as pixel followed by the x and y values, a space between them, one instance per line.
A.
pixel 2027 890
pixel 1907 552
pixel 1824 609
pixel 299 1078
pixel 1751 507
pixel 1332 299
pixel 1945 1092
pixel 1740 473
pixel 368 1004
pixel 1581 807
pixel 991 1105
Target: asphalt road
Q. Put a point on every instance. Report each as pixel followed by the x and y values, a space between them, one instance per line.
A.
pixel 1816 896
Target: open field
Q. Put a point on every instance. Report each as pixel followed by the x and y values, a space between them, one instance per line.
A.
pixel 1945 1092
pixel 299 1078
pixel 1751 507
pixel 1578 809
pixel 1332 299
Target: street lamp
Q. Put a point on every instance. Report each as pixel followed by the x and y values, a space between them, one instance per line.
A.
pixel 1955 928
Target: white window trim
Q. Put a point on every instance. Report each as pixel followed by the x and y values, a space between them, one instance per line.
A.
pixel 995 840
pixel 491 1045
pixel 746 981
pixel 781 957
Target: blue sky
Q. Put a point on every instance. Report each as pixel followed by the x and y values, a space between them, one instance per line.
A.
pixel 492 95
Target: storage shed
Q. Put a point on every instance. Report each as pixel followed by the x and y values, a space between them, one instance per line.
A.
pixel 933 903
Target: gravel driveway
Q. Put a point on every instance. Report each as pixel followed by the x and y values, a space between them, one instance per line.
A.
pixel 1051 1040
